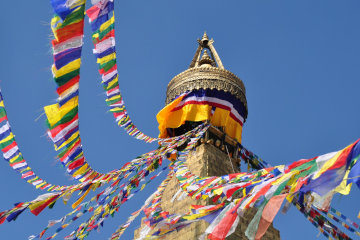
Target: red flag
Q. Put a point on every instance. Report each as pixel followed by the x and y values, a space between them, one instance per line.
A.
pixel 268 214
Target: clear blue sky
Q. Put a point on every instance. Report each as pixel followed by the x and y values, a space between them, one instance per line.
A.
pixel 299 61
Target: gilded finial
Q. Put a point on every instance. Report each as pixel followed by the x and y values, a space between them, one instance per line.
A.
pixel 205 39
pixel 205 55
pixel 206 59
pixel 205 36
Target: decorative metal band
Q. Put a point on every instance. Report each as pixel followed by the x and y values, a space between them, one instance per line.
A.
pixel 206 78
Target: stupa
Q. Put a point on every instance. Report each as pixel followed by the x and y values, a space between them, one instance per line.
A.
pixel 219 97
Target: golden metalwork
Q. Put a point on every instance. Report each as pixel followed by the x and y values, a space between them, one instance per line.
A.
pixel 206 72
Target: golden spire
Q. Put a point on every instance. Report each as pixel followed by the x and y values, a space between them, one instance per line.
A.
pixel 205 38
pixel 206 71
pixel 205 43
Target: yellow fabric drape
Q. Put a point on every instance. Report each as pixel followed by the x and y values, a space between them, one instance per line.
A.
pixel 167 118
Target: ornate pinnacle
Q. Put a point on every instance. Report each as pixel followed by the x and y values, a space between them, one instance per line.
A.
pixel 206 43
pixel 205 39
pixel 206 59
pixel 205 55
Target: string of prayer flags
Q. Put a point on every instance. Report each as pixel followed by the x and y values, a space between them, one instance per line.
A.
pixel 62 118
pixel 342 223
pixel 321 227
pixel 12 154
pixel 102 25
pixel 121 229
pixel 95 221
pixel 309 184
pixel 107 205
pixel 342 216
pixel 248 157
pixel 149 162
pixel 36 206
pixel 264 184
pixel 321 222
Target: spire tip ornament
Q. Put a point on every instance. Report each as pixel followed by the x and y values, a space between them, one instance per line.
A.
pixel 205 39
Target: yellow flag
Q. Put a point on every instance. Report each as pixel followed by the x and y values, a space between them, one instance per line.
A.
pixel 75 135
pixel 67 68
pixel 112 82
pixel 75 204
pixel 11 136
pixel 41 184
pixel 218 191
pixel 106 58
pixel 107 23
pixel 55 113
pixel 98 210
pixel 113 98
pixel 344 188
pixel 52 113
pixel 81 170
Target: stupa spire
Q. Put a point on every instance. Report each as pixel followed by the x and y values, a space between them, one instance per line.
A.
pixel 205 43
pixel 206 71
pixel 205 37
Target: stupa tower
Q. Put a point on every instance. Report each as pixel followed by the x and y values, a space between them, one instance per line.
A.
pixel 217 96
